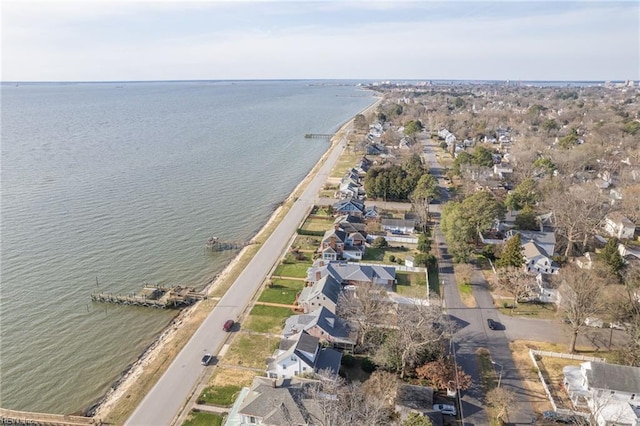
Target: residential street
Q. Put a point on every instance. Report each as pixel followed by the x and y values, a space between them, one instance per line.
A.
pixel 472 332
pixel 167 397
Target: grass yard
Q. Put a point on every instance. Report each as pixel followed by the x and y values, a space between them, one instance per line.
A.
pixel 267 319
pixel 434 280
pixel 466 295
pixel 530 310
pixel 251 350
pixel 411 284
pixel 295 270
pixel 383 255
pixel 317 224
pixel 305 242
pixel 222 396
pixel 345 162
pixel 224 376
pixel 489 380
pixel 281 291
pixel 201 418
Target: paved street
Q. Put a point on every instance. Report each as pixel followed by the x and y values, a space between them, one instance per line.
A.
pixel 472 331
pixel 167 397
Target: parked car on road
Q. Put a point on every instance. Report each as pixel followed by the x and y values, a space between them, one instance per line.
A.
pixel 228 325
pixel 206 359
pixel 492 324
pixel 446 409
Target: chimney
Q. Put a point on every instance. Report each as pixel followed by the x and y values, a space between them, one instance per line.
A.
pixel 318 276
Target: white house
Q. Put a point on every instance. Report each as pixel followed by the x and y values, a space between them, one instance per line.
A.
pixel 617 225
pixel 610 392
pixel 324 293
pixel 300 354
pixel 537 260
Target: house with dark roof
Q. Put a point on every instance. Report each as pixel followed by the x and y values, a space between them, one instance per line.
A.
pixel 302 354
pixel 338 244
pixel 321 293
pixel 352 273
pixel 323 324
pixel 271 402
pixel 350 206
pixel 610 392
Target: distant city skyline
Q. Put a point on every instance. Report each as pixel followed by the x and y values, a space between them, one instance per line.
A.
pixel 142 40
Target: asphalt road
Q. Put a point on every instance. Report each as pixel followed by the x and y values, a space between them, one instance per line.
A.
pixel 472 332
pixel 166 399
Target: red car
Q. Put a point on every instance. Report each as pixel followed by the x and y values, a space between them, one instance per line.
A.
pixel 227 325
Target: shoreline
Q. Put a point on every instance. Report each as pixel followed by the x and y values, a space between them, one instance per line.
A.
pixel 104 406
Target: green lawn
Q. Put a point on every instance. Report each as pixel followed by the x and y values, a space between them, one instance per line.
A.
pixel 527 310
pixel 296 270
pixel 251 350
pixel 200 418
pixel 317 224
pixel 345 162
pixel 383 255
pixel 434 280
pixel 222 396
pixel 282 291
pixel 411 284
pixel 306 242
pixel 267 319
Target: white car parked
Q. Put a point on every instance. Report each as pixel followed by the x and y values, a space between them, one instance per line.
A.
pixel 446 409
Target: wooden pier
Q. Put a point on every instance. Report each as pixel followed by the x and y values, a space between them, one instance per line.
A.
pixel 153 296
pixel 216 244
pixel 318 136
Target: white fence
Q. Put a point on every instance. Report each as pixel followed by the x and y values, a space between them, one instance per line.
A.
pixel 566 356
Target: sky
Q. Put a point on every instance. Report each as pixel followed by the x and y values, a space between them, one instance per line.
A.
pixel 133 40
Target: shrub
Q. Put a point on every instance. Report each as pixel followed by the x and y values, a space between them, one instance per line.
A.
pixel 392 258
pixel 367 365
pixel 348 360
pixel 379 242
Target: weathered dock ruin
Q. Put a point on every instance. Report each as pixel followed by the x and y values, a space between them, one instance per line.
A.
pixel 153 296
pixel 216 244
pixel 318 136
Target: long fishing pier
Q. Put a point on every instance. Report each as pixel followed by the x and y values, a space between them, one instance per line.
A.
pixel 153 296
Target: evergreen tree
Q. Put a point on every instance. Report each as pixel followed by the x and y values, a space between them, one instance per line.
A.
pixel 512 253
pixel 424 243
pixel 612 258
pixel 526 219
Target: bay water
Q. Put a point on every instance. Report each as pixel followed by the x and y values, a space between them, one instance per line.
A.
pixel 106 186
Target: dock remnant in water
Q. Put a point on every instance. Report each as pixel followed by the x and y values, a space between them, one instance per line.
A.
pixel 153 296
pixel 318 136
pixel 216 244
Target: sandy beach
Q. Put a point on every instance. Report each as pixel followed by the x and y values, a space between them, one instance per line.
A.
pixel 128 388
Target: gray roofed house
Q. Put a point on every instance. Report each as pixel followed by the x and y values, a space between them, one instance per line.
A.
pixel 271 402
pixel 353 273
pixel 322 293
pixel 300 354
pixel 544 239
pixel 350 206
pixel 610 391
pixel 324 325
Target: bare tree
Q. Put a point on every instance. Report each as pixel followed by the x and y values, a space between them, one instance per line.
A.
pixel 419 331
pixel 443 374
pixel 581 297
pixel 577 213
pixel 367 306
pixel 514 281
pixel 501 399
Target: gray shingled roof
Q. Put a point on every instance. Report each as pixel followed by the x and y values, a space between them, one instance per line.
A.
pixel 326 320
pixel 326 286
pixel 620 378
pixel 285 404
pixel 328 359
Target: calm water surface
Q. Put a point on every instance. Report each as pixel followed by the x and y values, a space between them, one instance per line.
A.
pixel 123 183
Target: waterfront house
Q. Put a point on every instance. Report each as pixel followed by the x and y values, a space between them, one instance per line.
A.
pixel 350 206
pixel 610 392
pixel 352 273
pixel 275 402
pixel 337 244
pixel 302 354
pixel 323 324
pixel 321 293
